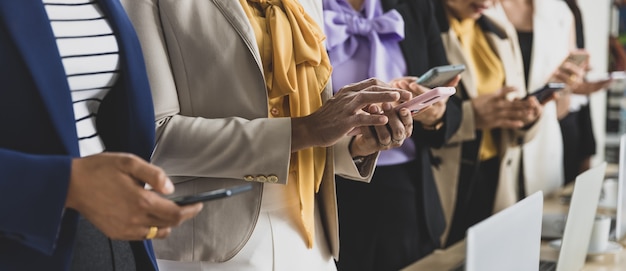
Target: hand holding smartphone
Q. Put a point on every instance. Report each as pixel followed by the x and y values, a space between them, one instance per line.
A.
pixel 439 76
pixel 211 195
pixel 544 93
pixel 426 99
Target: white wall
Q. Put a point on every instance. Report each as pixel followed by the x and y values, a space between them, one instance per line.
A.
pixel 597 20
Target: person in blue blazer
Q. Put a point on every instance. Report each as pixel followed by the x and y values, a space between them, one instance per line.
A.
pixel 63 205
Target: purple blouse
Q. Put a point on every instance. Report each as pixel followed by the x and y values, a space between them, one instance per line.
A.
pixel 366 44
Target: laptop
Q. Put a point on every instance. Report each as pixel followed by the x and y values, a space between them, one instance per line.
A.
pixel 508 240
pixel 620 215
pixel 580 217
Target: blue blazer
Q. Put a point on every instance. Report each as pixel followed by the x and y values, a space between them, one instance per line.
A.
pixel 38 134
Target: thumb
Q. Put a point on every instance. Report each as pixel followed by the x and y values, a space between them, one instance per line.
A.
pixel 151 175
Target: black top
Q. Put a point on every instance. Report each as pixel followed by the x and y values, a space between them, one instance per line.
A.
pixel 526 46
pixel 423 49
pixel 578 20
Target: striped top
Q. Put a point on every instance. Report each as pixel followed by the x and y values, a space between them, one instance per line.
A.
pixel 89 52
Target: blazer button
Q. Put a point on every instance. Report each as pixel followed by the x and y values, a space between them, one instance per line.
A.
pixel 261 179
pixel 508 162
pixel 275 112
pixel 248 178
pixel 272 179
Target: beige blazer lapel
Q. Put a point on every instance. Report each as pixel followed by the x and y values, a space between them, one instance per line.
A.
pixel 234 13
pixel 456 56
pixel 512 58
pixel 545 59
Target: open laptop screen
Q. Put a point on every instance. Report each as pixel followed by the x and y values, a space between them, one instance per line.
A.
pixel 509 240
pixel 620 217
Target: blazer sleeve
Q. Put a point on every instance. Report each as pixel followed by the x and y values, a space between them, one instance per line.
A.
pixel 187 145
pixel 346 167
pixel 33 189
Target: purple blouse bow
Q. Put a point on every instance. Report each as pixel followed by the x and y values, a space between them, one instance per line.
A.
pixel 346 28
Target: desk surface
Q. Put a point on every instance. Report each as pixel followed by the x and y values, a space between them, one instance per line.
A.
pixel 451 257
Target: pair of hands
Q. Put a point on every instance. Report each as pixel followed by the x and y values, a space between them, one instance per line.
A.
pixel 379 137
pixel 497 111
pixel 363 110
pixel 105 189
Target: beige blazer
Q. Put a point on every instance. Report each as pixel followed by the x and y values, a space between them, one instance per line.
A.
pixel 447 173
pixel 213 127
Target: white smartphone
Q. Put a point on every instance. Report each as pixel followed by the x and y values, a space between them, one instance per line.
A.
pixel 440 75
pixel 424 100
pixel 578 57
pixel 618 80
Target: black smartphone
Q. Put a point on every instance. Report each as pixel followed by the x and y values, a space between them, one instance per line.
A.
pixel 211 195
pixel 440 75
pixel 546 91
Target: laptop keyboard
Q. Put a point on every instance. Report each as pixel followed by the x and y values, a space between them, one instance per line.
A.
pixel 547 266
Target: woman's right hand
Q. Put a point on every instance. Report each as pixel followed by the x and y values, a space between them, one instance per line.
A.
pixel 105 188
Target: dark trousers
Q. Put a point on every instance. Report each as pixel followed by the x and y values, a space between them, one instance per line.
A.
pixel 382 224
pixel 475 197
pixel 578 141
pixel 93 251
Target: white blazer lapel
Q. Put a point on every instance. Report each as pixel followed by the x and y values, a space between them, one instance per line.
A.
pixel 545 59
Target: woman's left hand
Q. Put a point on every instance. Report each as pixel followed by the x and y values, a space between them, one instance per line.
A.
pixel 531 109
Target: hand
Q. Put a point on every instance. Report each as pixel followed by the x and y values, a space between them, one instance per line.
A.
pixel 105 189
pixel 343 114
pixel 570 74
pixel 586 88
pixel 532 109
pixel 383 137
pixel 496 111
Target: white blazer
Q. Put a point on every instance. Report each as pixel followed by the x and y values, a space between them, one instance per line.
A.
pixel 553 38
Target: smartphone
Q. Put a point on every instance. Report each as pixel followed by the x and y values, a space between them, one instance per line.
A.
pixel 440 75
pixel 544 93
pixel 426 99
pixel 211 195
pixel 618 80
pixel 577 58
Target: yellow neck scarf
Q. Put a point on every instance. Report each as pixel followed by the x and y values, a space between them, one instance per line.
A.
pixel 486 66
pixel 297 67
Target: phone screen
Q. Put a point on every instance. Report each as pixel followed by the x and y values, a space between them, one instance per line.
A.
pixel 546 91
pixel 211 195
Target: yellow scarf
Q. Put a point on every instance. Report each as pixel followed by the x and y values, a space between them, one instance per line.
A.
pixel 486 66
pixel 296 68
